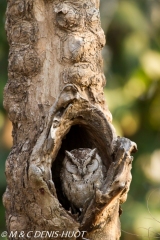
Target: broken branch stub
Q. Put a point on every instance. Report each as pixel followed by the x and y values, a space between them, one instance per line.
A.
pixel 74 170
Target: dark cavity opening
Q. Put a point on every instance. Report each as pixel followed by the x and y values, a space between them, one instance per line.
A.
pixel 77 137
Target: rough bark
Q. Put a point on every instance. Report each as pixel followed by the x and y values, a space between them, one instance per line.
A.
pixel 54 98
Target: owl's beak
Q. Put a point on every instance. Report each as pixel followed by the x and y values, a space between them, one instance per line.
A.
pixel 83 173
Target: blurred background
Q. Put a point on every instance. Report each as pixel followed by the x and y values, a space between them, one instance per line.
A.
pixel 132 68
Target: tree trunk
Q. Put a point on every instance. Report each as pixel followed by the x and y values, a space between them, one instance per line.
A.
pixel 54 98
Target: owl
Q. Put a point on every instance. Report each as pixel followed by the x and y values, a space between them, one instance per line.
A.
pixel 81 175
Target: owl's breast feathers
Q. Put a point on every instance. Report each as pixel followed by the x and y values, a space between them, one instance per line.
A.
pixel 80 190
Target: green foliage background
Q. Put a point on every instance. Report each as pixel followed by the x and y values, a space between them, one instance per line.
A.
pixel 132 69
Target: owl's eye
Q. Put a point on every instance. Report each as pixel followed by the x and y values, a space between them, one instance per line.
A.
pixel 93 166
pixel 71 168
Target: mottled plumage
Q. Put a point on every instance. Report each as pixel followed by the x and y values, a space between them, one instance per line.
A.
pixel 81 174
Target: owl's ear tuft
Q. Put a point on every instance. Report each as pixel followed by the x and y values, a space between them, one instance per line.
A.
pixel 68 154
pixel 93 152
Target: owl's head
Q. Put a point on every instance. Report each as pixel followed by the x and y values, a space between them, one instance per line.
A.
pixel 82 161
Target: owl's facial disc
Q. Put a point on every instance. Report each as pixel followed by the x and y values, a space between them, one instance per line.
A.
pixel 93 166
pixel 71 168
